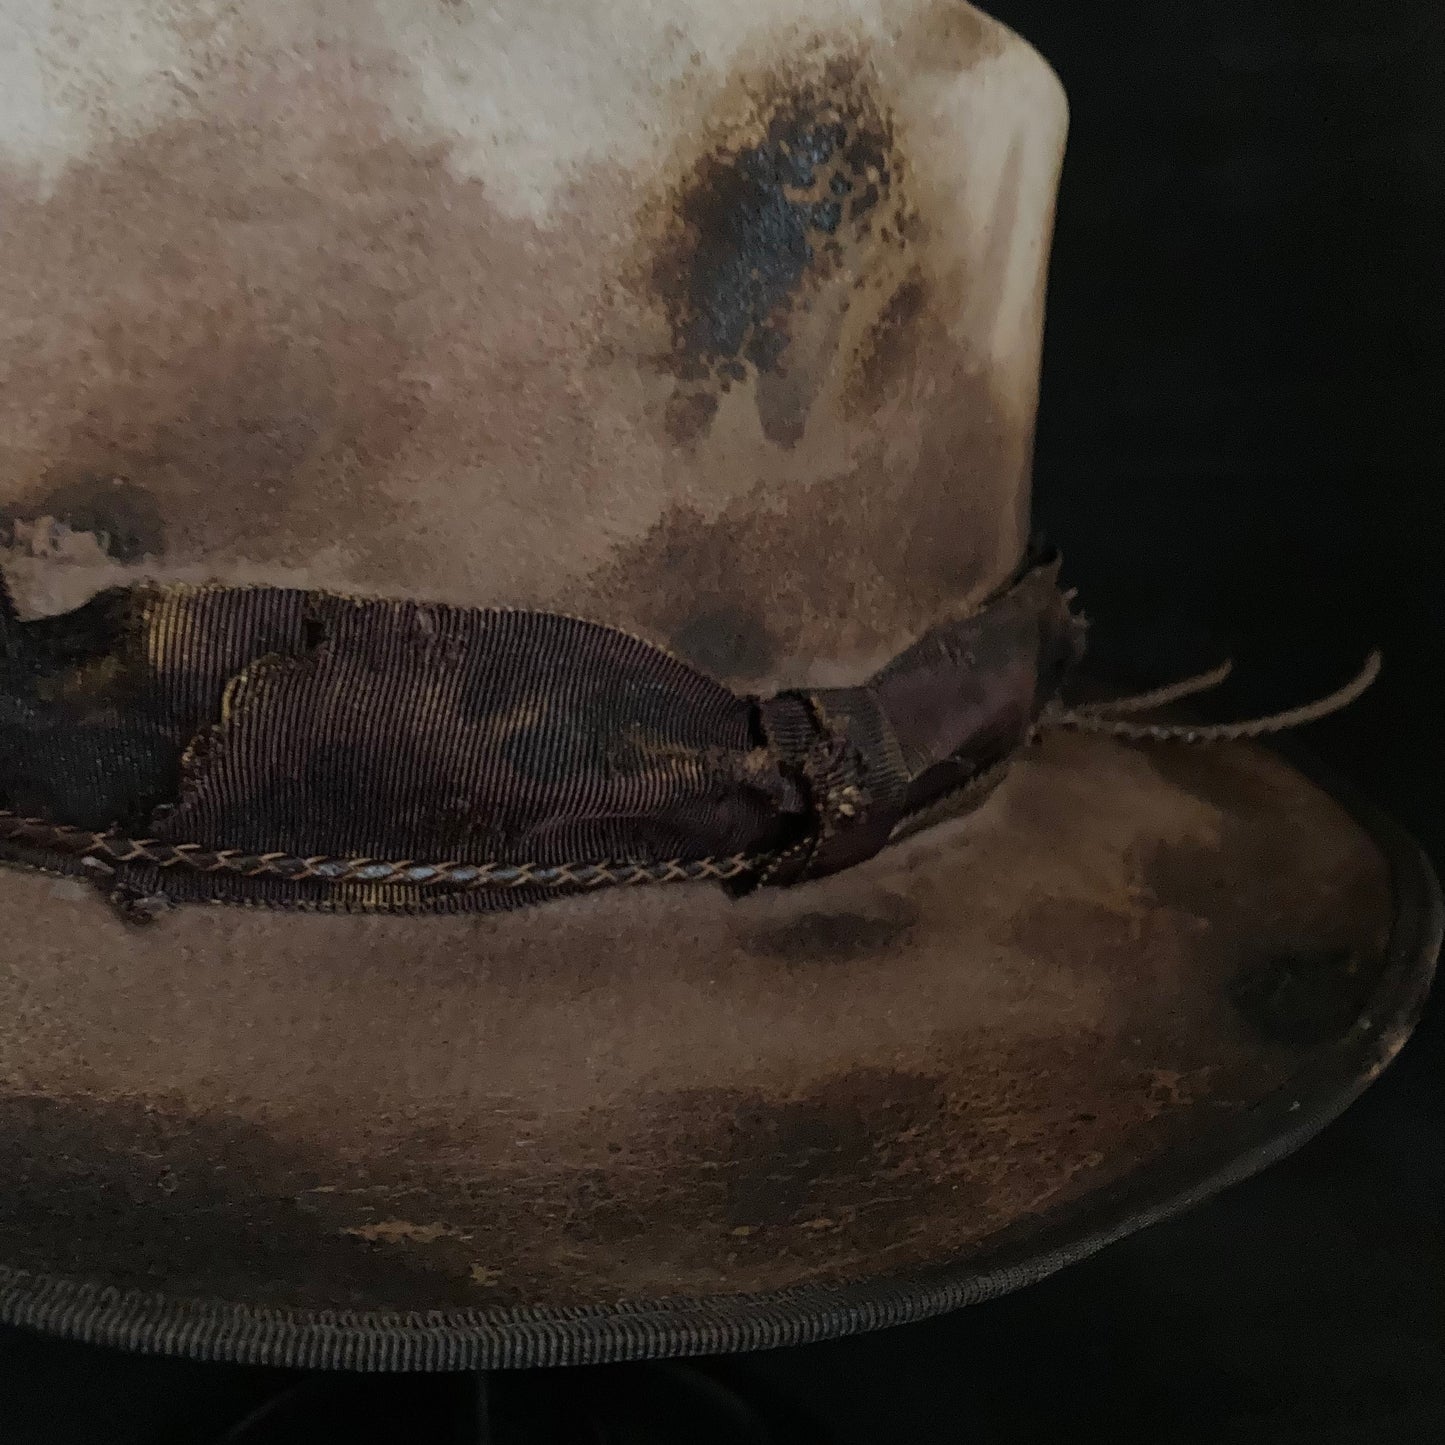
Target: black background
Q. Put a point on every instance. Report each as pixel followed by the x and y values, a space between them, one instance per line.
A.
pixel 1242 447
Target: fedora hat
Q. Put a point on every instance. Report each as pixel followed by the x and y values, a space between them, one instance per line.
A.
pixel 549 803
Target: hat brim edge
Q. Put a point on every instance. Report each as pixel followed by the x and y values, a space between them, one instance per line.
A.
pixel 527 1337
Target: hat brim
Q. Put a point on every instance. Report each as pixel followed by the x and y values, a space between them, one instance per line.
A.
pixel 661 1122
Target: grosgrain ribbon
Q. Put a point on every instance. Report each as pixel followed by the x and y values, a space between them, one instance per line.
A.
pixel 302 749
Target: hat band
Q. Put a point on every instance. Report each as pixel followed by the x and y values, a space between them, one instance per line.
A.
pixel 300 748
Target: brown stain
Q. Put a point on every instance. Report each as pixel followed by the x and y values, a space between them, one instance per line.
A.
pixel 725 638
pixel 278 325
pixel 950 37
pixel 1290 985
pixel 876 1165
pixel 1202 909
pixel 880 1168
pixel 799 1164
pixel 763 235
pixel 838 937
pixel 1255 822
pixel 679 1192
pixel 1306 998
pixel 125 519
pixel 888 347
pixel 860 333
pixel 145 1195
pixel 868 559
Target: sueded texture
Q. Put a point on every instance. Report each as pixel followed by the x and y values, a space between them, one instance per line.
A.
pixel 647 1094
pixel 270 745
pixel 717 323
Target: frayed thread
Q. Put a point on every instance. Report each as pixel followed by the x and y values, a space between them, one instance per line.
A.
pixel 1113 718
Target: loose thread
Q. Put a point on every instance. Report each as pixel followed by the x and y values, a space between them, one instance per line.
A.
pixel 1100 721
pixel 1157 697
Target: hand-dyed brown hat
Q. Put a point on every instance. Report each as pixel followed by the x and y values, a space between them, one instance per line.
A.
pixel 458 462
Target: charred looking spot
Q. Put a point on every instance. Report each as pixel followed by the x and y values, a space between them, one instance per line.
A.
pixel 1304 999
pixel 151 1202
pixel 837 937
pixel 314 632
pixel 726 640
pixel 802 1161
pixel 759 225
pixel 123 518
pixel 76 739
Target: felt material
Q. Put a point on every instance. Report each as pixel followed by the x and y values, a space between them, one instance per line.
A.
pixel 717 324
pixel 658 1093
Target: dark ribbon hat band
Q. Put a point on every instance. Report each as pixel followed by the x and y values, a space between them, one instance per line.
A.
pixel 263 745
pixel 291 747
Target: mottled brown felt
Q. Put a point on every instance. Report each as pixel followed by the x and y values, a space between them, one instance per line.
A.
pixel 753 399
pixel 719 325
pixel 664 1093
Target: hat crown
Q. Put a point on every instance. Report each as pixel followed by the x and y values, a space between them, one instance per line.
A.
pixel 716 323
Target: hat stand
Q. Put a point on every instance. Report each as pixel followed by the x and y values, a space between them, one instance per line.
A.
pixel 653 1403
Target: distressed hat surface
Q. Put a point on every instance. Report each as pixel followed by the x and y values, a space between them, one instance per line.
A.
pixel 545 810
